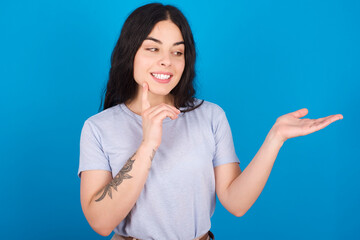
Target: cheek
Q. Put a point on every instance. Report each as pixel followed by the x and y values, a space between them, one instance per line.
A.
pixel 140 67
pixel 136 73
pixel 180 66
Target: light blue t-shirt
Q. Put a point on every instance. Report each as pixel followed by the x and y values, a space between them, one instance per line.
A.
pixel 178 198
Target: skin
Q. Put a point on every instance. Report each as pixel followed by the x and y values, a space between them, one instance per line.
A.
pixel 162 51
pixel 118 179
pixel 236 190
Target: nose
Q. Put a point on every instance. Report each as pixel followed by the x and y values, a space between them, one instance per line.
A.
pixel 165 60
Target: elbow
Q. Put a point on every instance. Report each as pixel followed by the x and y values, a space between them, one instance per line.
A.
pixel 102 230
pixel 101 225
pixel 104 233
pixel 239 213
pixel 235 210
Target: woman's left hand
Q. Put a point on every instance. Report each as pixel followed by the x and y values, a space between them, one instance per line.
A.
pixel 290 125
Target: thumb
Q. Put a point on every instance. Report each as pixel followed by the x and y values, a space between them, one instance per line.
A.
pixel 299 113
pixel 145 101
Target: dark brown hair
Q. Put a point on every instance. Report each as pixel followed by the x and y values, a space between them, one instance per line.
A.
pixel 121 85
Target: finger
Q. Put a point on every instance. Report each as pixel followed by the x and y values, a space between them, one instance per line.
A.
pixel 145 101
pixel 159 108
pixel 340 116
pixel 316 122
pixel 299 113
pixel 175 109
pixel 331 118
pixel 324 122
pixel 319 120
pixel 162 115
pixel 169 106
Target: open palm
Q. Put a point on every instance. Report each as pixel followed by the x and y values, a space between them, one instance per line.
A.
pixel 290 125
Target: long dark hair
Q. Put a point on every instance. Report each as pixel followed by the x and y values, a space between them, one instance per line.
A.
pixel 121 85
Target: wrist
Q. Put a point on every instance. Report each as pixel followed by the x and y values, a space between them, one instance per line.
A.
pixel 148 146
pixel 146 153
pixel 275 137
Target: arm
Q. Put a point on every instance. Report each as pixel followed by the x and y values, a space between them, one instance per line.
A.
pixel 106 201
pixel 238 191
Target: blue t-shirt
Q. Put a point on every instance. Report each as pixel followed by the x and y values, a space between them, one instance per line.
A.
pixel 178 198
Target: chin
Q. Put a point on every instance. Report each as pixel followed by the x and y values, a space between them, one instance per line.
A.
pixel 161 92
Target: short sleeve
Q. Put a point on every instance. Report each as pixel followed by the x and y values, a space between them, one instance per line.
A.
pixel 92 156
pixel 224 145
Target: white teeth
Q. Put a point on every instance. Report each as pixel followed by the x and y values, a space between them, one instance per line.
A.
pixel 161 76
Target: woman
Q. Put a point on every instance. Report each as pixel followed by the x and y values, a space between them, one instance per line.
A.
pixel 151 162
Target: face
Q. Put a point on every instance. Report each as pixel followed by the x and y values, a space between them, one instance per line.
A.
pixel 160 60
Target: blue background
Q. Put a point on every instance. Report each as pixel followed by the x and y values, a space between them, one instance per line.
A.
pixel 257 59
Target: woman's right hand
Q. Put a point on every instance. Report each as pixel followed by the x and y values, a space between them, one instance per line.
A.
pixel 152 118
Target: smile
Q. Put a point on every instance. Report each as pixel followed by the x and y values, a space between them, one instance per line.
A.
pixel 162 77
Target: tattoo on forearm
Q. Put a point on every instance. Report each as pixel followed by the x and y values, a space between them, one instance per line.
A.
pixel 152 155
pixel 123 174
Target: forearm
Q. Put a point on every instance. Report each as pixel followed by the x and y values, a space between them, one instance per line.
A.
pixel 246 188
pixel 109 206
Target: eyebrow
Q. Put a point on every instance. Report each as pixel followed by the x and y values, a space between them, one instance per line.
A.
pixel 158 41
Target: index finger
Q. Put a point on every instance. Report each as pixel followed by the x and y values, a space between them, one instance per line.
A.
pixel 145 102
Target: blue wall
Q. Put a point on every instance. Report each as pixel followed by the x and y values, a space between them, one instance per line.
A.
pixel 256 59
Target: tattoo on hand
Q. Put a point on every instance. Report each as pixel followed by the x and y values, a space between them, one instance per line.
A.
pixel 123 174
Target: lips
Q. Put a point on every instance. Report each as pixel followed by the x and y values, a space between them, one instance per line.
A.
pixel 162 77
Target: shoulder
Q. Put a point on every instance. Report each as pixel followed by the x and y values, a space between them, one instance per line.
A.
pixel 209 107
pixel 104 118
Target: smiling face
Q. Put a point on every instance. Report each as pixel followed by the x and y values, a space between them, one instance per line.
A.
pixel 160 60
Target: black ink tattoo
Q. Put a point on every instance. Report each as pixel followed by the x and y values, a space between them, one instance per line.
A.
pixel 152 155
pixel 123 174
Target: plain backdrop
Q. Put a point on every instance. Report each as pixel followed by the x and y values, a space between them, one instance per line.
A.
pixel 258 60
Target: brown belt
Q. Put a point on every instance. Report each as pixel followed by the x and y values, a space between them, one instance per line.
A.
pixel 202 238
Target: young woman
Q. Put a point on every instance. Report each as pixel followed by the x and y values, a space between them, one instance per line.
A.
pixel 152 161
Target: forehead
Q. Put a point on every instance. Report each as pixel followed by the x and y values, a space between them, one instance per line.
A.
pixel 166 31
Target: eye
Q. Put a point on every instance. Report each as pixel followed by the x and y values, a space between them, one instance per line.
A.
pixel 177 53
pixel 152 49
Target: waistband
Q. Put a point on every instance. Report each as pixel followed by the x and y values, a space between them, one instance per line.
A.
pixel 207 236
